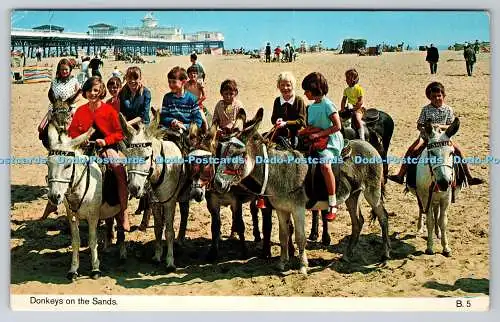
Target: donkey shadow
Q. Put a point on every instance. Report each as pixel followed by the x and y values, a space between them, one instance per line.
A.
pixel 469 285
pixel 26 193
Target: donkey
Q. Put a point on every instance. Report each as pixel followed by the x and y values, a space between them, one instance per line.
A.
pixel 285 185
pixel 202 174
pixel 163 170
pixel 379 127
pixel 438 179
pixel 76 181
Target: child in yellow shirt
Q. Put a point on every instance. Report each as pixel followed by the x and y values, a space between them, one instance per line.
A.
pixel 353 95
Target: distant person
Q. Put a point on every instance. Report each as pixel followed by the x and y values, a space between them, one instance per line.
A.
pixel 268 53
pixel 116 72
pixel 286 52
pixel 39 51
pixel 476 47
pixel 84 71
pixel 432 58
pixel 277 53
pixel 95 64
pixel 292 54
pixel 198 65
pixel 470 58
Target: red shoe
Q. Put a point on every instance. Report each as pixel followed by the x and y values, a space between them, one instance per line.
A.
pixel 332 213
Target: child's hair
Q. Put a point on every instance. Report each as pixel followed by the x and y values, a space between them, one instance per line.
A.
pixel 94 80
pixel 114 81
pixel 315 83
pixel 229 85
pixel 192 69
pixel 286 76
pixel 134 72
pixel 178 73
pixel 434 87
pixel 354 74
pixel 194 56
pixel 63 62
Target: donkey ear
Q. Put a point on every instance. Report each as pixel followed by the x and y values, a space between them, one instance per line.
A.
pixel 259 115
pixel 127 129
pixel 453 128
pixel 240 120
pixel 156 119
pixel 76 142
pixel 194 130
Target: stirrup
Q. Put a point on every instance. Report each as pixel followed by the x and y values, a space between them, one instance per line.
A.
pixel 332 213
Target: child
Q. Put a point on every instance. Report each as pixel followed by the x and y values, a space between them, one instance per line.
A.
pixel 288 109
pixel 438 113
pixel 135 98
pixel 114 85
pixel 62 87
pixel 108 134
pixel 322 114
pixel 354 95
pixel 195 63
pixel 195 87
pixel 179 107
pixel 227 108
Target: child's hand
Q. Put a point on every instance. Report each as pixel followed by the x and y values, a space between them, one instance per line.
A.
pixel 314 136
pixel 100 142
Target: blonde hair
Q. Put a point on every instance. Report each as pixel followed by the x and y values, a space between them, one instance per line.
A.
pixel 286 76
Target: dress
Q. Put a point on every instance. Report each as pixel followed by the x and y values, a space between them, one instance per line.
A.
pixel 64 89
pixel 318 116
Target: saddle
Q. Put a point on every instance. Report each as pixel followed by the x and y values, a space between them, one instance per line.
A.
pixel 315 185
pixel 109 188
pixel 371 116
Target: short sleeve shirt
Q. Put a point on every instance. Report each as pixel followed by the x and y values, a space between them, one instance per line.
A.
pixel 437 115
pixel 64 89
pixel 354 93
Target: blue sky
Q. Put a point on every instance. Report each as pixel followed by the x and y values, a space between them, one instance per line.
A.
pixel 252 29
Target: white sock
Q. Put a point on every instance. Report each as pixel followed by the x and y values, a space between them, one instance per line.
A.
pixel 361 132
pixel 332 200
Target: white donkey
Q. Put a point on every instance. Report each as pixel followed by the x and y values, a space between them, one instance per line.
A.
pixel 161 167
pixel 435 180
pixel 74 180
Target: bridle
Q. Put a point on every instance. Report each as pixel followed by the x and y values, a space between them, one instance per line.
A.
pixel 70 181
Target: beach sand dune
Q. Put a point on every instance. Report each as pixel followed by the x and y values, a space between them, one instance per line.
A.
pixel 394 82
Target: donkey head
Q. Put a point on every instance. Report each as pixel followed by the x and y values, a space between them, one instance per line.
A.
pixel 440 153
pixel 61 164
pixel 144 144
pixel 237 159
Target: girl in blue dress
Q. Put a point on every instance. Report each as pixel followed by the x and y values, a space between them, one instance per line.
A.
pixel 322 114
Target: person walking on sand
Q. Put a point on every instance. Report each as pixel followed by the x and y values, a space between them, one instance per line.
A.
pixel 470 58
pixel 432 58
pixel 268 52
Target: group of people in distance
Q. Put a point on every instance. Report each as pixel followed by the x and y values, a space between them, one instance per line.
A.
pixel 469 54
pixel 183 105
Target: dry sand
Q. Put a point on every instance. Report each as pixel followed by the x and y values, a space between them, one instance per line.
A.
pixel 394 82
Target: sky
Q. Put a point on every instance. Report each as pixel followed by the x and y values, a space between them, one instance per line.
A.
pixel 253 29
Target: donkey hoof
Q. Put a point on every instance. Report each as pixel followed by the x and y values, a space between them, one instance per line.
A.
pixel 303 270
pixel 72 276
pixel 95 274
pixel 325 240
pixel 447 253
pixel 257 238
pixel 170 269
pixel 212 255
pixel 429 252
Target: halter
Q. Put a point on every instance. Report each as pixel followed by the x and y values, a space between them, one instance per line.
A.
pixel 71 179
pixel 202 169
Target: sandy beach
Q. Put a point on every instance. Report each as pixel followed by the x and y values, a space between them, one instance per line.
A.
pixel 394 83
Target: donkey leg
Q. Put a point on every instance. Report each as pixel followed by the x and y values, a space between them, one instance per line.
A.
pixel 299 218
pixel 430 230
pixel 96 273
pixel 214 209
pixel 254 211
pixel 184 210
pixel 75 246
pixel 158 227
pixel 420 222
pixel 352 204
pixel 236 208
pixel 437 222
pixel 325 236
pixel 313 236
pixel 146 217
pixel 169 211
pixel 383 220
pixel 291 247
pixel 443 222
pixel 283 218
pixel 267 225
